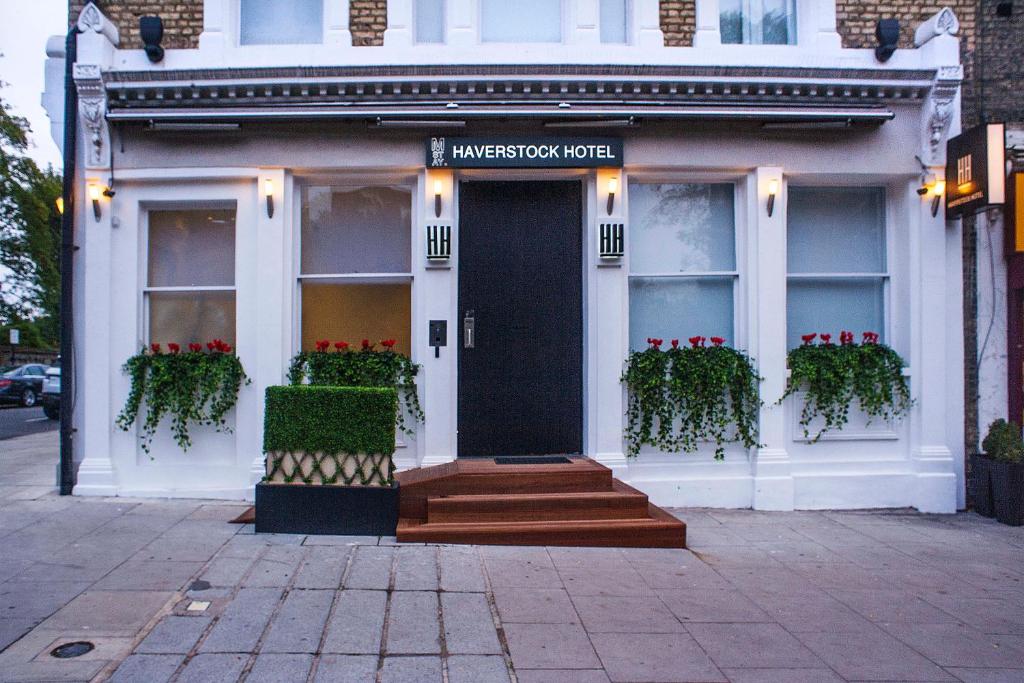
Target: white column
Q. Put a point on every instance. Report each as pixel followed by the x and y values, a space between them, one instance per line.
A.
pixel 607 326
pixel 264 343
pixel 586 18
pixel 932 327
pixel 336 18
pixel 399 32
pixel 771 468
pixel 645 24
pixel 816 25
pixel 436 298
pixel 709 32
pixel 460 22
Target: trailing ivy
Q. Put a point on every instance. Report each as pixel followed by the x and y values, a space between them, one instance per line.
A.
pixel 194 387
pixel 366 367
pixel 833 376
pixel 683 396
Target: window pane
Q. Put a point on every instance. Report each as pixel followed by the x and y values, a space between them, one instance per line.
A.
pixel 191 317
pixel 355 312
pixel 678 308
pixel 429 21
pixel 767 22
pixel 191 248
pixel 613 21
pixel 731 21
pixel 356 230
pixel 834 305
pixel 836 230
pixel 681 228
pixel 777 21
pixel 523 21
pixel 272 22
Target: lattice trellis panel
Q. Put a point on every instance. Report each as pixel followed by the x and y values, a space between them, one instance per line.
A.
pixel 346 469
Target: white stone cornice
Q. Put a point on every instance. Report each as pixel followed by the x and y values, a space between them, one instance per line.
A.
pixel 92 108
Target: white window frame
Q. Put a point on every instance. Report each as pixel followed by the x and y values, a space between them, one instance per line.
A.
pixel 739 240
pixel 565 27
pixel 326 11
pixel 444 25
pixel 885 276
pixel 146 290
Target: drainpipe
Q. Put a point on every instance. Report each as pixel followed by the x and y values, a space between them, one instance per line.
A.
pixel 67 265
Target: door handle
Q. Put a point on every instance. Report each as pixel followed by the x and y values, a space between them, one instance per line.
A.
pixel 468 330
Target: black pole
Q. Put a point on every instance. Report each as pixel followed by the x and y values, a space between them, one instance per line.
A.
pixel 67 265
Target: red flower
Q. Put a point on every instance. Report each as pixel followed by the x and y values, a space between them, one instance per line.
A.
pixel 154 347
pixel 387 343
pixel 656 343
pixel 845 337
pixel 825 338
pixel 694 341
pixel 366 345
pixel 195 348
pixel 341 346
pixel 870 338
pixel 675 343
pixel 717 341
pixel 218 345
pixel 808 338
pixel 174 347
pixel 210 346
pixel 323 345
pixel 226 348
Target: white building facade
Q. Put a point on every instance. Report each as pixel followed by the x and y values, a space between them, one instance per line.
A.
pixel 339 138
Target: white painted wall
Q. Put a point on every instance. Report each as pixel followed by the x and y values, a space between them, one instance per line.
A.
pixel 993 375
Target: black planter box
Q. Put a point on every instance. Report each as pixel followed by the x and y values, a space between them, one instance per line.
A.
pixel 326 510
pixel 981 485
pixel 1008 492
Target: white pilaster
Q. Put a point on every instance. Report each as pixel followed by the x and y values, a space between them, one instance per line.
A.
pixel 816 25
pixel 399 32
pixel 644 24
pixel 336 19
pixel 217 23
pixel 709 32
pixel 460 22
pixel 586 22
pixel 771 467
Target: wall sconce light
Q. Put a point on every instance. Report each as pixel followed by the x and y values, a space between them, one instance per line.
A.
pixel 438 187
pixel 613 184
pixel 268 190
pixel 94 195
pixel 151 30
pixel 938 188
pixel 60 205
pixel 773 189
pixel 887 33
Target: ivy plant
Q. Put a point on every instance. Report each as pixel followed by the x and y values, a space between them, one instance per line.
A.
pixel 681 397
pixel 195 387
pixel 367 366
pixel 833 376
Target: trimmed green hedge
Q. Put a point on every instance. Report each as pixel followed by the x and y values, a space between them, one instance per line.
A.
pixel 332 420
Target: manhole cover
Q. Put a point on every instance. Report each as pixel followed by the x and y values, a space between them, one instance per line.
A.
pixel 69 650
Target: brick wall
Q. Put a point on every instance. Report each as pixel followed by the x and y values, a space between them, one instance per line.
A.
pixel 678 22
pixel 367 21
pixel 183 19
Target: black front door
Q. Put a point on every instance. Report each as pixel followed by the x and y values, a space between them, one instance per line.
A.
pixel 520 286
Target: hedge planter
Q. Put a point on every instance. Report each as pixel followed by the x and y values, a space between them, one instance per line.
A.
pixel 981 485
pixel 1008 492
pixel 330 467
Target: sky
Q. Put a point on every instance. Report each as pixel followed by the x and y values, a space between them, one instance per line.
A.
pixel 23 35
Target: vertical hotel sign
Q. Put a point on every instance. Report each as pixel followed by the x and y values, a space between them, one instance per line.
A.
pixel 538 152
pixel 975 170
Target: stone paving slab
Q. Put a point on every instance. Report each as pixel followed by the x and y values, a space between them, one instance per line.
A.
pixel 806 596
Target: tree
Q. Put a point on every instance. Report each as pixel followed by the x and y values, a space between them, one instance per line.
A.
pixel 29 236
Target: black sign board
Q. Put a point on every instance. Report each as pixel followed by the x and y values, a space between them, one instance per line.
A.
pixel 975 170
pixel 539 152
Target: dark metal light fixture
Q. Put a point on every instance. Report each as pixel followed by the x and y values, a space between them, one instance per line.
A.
pixel 773 189
pixel 887 32
pixel 94 195
pixel 151 30
pixel 268 190
pixel 438 186
pixel 613 184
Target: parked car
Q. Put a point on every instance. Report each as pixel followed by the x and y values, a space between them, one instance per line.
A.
pixel 51 393
pixel 23 385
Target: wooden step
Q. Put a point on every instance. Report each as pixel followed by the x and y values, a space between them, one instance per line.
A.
pixel 657 530
pixel 622 502
pixel 485 477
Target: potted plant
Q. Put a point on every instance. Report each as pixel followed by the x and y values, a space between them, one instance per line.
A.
pixel 998 474
pixel 683 396
pixel 329 461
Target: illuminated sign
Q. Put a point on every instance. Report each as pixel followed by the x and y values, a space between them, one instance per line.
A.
pixel 540 152
pixel 977 160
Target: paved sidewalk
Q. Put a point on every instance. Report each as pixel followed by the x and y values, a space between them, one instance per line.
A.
pixel 811 596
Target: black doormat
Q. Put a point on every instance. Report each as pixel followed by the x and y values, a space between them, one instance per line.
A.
pixel 533 460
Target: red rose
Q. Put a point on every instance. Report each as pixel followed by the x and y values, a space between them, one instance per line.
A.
pixel 174 347
pixel 226 348
pixel 387 343
pixel 323 345
pixel 366 344
pixel 808 338
pixel 195 348
pixel 154 347
pixel 845 337
pixel 675 343
pixel 209 346
pixel 870 338
pixel 717 341
pixel 826 338
pixel 694 341
pixel 341 345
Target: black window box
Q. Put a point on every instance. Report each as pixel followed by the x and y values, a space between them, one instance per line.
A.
pixel 326 510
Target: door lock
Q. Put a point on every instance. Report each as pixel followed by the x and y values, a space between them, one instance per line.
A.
pixel 468 330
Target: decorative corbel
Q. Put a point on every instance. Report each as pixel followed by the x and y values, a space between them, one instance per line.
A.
pixel 92 106
pixel 940 109
pixel 92 20
pixel 942 23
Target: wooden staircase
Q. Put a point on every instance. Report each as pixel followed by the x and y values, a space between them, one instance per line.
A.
pixel 574 503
